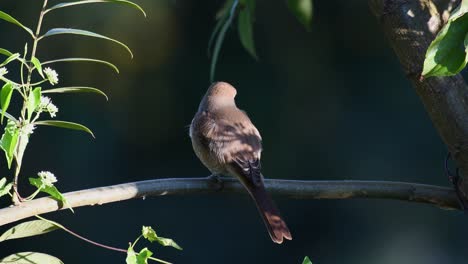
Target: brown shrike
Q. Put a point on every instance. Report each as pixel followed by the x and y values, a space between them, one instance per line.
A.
pixel 226 142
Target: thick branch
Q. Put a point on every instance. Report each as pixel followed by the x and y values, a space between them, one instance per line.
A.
pixel 438 196
pixel 410 26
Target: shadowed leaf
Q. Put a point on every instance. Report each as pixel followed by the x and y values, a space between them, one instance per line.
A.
pixel 124 2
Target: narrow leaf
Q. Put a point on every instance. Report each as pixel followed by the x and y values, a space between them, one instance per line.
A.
pixel 5 52
pixel 9 116
pixel 72 31
pixel 34 100
pixel 37 64
pixel 167 242
pixel 245 27
pixel 303 11
pixel 64 124
pixel 223 15
pixel 30 258
pixel 28 229
pixel 11 58
pixel 76 89
pixel 12 20
pixel 5 187
pixel 83 60
pixel 5 98
pixel 220 39
pixel 124 2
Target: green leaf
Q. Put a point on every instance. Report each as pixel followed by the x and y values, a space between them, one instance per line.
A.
pixel 124 2
pixel 5 187
pixel 12 20
pixel 5 52
pixel 30 258
pixel 9 141
pixel 447 55
pixel 76 89
pixel 82 60
pixel 303 10
pixel 64 124
pixel 11 58
pixel 131 256
pixel 5 98
pixel 37 64
pixel 72 31
pixel 149 233
pixel 245 27
pixel 306 261
pixel 143 256
pixel 220 39
pixel 34 100
pixel 28 229
pixel 52 191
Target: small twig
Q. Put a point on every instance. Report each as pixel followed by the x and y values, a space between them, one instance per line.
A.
pixel 441 197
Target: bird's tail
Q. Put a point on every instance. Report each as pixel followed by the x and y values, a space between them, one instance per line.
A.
pixel 275 225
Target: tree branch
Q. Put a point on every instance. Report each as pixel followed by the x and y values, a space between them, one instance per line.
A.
pixel 410 26
pixel 438 196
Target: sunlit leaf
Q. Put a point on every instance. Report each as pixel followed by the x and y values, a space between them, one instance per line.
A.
pixel 5 98
pixel 245 27
pixel 37 64
pixel 447 55
pixel 34 100
pixel 64 124
pixel 11 58
pixel 28 229
pixel 4 187
pixel 306 261
pixel 30 258
pixel 220 39
pixel 83 60
pixel 76 89
pixel 5 52
pixel 49 189
pixel 303 10
pixel 9 141
pixel 149 233
pixel 12 20
pixel 73 31
pixel 124 2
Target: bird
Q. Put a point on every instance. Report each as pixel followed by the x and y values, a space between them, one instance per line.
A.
pixel 228 143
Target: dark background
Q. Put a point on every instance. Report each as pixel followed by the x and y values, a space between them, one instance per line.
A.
pixel 331 104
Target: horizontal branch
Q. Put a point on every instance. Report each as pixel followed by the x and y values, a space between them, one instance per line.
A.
pixel 421 193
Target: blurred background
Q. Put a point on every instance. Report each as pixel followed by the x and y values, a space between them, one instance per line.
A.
pixel 331 104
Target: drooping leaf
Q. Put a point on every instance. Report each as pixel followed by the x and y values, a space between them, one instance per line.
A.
pixel 5 98
pixel 220 39
pixel 76 89
pixel 447 55
pixel 303 10
pixel 83 60
pixel 149 234
pixel 34 100
pixel 64 124
pixel 5 187
pixel 37 64
pixel 222 16
pixel 245 27
pixel 30 258
pixel 12 20
pixel 5 52
pixel 124 2
pixel 306 261
pixel 9 141
pixel 49 189
pixel 28 229
pixel 11 58
pixel 73 31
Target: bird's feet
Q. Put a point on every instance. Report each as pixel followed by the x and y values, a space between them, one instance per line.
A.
pixel 215 179
pixel 455 180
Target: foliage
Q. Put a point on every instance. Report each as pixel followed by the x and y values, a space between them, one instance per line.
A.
pixel 448 53
pixel 245 12
pixel 306 261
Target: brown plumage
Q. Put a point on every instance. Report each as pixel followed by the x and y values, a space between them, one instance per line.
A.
pixel 226 142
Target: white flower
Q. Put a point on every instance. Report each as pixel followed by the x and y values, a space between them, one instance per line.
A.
pixel 51 75
pixel 3 71
pixel 46 105
pixel 27 129
pixel 48 178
